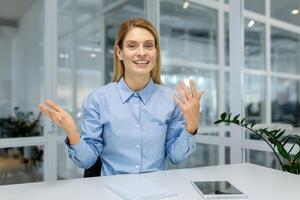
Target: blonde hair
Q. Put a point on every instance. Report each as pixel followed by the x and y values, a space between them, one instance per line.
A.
pixel 123 30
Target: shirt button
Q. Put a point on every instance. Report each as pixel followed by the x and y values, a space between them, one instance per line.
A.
pixel 137 125
pixel 137 166
pixel 137 146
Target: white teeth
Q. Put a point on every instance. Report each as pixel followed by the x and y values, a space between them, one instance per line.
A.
pixel 141 62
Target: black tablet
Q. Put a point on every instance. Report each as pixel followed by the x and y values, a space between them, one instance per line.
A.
pixel 218 190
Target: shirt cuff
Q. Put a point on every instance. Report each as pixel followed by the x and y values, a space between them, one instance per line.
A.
pixel 78 146
pixel 188 138
pixel 187 135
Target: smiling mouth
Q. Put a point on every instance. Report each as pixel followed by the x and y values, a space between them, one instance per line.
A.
pixel 141 62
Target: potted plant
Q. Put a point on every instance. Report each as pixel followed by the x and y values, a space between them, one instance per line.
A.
pixel 22 124
pixel 276 139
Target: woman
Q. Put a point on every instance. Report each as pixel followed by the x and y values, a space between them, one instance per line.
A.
pixel 134 124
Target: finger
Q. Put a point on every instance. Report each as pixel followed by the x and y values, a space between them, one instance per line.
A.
pixel 193 88
pixel 49 113
pixel 178 102
pixel 44 110
pixel 186 90
pixel 56 121
pixel 52 105
pixel 181 93
pixel 55 117
pixel 200 94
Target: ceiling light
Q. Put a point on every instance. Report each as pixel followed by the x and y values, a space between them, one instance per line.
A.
pixel 295 12
pixel 61 55
pixel 251 23
pixel 66 55
pixel 185 4
pixel 93 55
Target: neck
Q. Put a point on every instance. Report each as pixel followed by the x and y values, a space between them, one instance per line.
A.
pixel 136 83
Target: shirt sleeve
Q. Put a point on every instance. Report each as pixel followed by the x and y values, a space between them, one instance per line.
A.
pixel 86 152
pixel 179 143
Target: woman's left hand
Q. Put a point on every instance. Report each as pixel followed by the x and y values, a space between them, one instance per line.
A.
pixel 189 103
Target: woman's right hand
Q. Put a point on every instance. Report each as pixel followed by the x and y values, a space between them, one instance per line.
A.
pixel 61 118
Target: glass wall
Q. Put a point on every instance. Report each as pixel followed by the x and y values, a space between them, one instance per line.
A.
pixel 113 19
pixel 189 49
pixel 21 90
pixel 85 57
pixel 271 84
pixel 79 63
pixel 286 12
pixel 22 61
pixel 21 164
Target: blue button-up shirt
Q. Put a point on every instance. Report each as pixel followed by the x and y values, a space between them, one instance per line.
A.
pixel 132 132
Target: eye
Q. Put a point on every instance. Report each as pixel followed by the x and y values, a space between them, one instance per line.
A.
pixel 131 45
pixel 149 46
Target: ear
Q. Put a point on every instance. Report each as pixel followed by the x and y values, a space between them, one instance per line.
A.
pixel 119 52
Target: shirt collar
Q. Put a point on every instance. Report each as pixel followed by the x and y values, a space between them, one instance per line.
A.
pixel 125 92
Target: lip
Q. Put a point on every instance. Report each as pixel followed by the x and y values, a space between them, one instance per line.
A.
pixel 141 62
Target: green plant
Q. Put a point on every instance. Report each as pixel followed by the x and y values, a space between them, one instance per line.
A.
pixel 22 124
pixel 275 139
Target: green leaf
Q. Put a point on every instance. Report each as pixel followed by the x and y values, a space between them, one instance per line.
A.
pixel 236 119
pixel 283 152
pixel 273 141
pixel 286 140
pixel 229 116
pixel 283 139
pixel 245 125
pixel 243 120
pixel 274 132
pixel 280 134
pixel 223 115
pixel 288 168
pixel 262 130
pixel 296 157
pixel 218 121
pixel 252 125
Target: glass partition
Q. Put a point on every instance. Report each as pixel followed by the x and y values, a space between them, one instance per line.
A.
pixel 285 51
pixel 22 70
pixel 288 11
pixel 254 49
pixel 257 6
pixel 189 49
pixel 21 164
pixel 113 19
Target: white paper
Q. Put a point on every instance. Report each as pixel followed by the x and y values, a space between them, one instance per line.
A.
pixel 139 189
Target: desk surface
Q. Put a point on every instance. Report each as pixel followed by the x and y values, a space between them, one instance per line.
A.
pixel 259 183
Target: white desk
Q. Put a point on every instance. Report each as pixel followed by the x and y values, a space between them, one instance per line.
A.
pixel 259 183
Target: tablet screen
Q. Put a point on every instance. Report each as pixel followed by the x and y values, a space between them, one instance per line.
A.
pixel 216 187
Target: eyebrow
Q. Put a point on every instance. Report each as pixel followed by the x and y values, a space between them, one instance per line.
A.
pixel 136 41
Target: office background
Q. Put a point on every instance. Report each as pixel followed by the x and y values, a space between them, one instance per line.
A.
pixel 63 49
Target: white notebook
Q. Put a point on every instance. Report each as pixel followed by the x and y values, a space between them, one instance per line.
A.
pixel 139 189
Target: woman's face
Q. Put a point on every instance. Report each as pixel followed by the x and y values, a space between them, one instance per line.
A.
pixel 139 52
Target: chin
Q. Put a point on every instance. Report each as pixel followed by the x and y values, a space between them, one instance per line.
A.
pixel 142 72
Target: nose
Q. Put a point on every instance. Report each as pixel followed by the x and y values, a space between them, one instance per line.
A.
pixel 141 51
